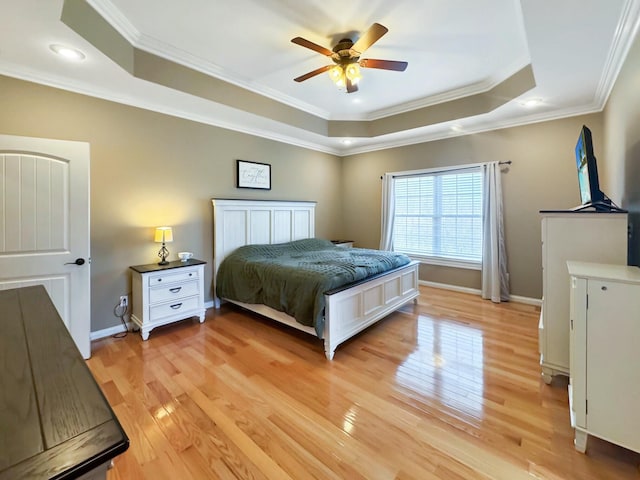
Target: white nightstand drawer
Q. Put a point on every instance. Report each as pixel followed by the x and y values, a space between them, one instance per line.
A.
pixel 161 294
pixel 159 312
pixel 343 243
pixel 165 293
pixel 177 276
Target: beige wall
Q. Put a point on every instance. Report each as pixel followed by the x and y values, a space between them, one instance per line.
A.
pixel 149 169
pixel 542 176
pixel 619 168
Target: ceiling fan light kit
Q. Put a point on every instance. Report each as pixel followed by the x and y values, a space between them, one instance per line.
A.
pixel 337 75
pixel 352 72
pixel 341 74
pixel 346 56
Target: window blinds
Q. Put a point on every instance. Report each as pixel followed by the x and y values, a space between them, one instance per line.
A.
pixel 439 215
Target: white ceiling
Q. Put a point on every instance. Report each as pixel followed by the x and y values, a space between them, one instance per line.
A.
pixel 454 49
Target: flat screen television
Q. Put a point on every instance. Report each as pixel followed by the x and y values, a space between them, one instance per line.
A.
pixel 590 194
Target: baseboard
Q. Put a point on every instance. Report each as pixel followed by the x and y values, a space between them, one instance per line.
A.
pixel 107 332
pixel 446 286
pixel 536 302
pixel 474 291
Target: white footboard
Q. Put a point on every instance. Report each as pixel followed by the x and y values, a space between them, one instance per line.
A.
pixel 349 311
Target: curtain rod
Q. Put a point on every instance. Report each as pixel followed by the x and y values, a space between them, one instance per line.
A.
pixel 450 169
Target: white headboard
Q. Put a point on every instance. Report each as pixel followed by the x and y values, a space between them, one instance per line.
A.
pixel 243 222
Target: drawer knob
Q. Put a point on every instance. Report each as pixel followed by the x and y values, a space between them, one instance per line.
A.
pixel 176 306
pixel 191 274
pixel 604 289
pixel 175 289
pixel 159 279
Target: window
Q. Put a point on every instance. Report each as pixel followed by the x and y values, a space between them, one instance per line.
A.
pixel 438 216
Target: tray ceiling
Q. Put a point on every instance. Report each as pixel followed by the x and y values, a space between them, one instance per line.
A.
pixel 473 66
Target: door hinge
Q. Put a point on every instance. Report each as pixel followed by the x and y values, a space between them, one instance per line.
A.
pixel 572 324
pixel 586 407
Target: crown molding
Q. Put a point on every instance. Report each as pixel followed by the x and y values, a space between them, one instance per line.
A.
pixel 623 39
pixel 35 76
pixel 467 90
pixel 116 19
pixel 455 94
pixel 30 75
pixel 480 128
pixel 186 59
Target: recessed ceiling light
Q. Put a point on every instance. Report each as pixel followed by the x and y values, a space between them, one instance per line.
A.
pixel 531 103
pixel 346 141
pixel 68 52
pixel 456 127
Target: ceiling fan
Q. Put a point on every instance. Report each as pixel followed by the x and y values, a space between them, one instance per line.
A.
pixel 346 56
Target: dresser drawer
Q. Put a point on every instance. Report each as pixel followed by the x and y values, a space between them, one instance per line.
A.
pixel 173 291
pixel 178 307
pixel 176 276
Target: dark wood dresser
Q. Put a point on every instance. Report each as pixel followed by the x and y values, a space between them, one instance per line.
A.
pixel 54 420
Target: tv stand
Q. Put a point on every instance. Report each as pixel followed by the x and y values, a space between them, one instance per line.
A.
pixel 583 236
pixel 605 205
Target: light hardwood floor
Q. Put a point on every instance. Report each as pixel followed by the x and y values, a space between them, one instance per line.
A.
pixel 446 389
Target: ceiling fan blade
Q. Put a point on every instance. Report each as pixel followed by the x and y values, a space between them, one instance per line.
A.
pixel 313 46
pixel 317 71
pixel 351 87
pixel 369 37
pixel 383 64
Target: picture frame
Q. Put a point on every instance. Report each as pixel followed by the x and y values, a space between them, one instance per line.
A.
pixel 254 175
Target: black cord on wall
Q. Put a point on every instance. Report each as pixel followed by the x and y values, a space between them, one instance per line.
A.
pixel 120 311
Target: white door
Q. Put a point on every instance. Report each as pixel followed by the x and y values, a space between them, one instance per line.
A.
pixel 44 225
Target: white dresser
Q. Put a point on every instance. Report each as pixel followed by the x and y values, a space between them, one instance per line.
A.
pixel 585 236
pixel 163 294
pixel 604 392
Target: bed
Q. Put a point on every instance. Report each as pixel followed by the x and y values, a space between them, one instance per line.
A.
pixel 348 309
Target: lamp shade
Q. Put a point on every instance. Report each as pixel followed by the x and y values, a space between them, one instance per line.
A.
pixel 164 235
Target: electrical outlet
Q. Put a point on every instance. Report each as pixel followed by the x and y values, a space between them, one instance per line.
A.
pixel 124 300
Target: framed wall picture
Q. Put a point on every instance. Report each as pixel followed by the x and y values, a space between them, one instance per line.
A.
pixel 253 175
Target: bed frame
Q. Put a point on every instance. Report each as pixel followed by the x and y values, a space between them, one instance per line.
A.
pixel 348 310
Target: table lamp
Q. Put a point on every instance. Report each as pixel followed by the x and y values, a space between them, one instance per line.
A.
pixel 163 235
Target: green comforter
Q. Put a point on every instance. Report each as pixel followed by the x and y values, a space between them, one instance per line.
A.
pixel 292 277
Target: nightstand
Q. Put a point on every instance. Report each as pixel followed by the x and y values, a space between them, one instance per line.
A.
pixel 162 294
pixel 343 243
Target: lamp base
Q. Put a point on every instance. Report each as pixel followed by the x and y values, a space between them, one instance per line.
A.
pixel 163 254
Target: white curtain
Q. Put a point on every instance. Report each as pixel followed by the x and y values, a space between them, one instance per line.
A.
pixel 495 279
pixel 388 212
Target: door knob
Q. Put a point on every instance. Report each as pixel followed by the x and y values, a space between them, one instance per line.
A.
pixel 78 261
